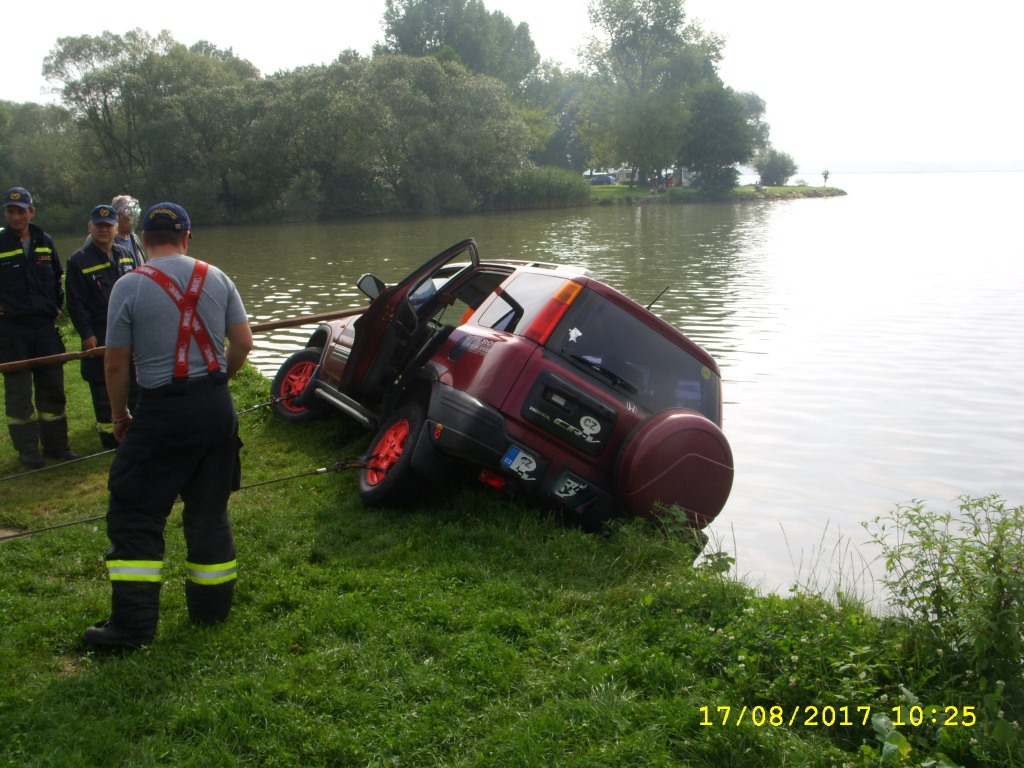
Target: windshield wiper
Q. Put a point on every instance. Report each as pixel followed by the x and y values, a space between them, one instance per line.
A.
pixel 608 373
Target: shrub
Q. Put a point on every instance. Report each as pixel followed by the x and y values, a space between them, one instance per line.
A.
pixel 774 167
pixel 543 188
pixel 956 582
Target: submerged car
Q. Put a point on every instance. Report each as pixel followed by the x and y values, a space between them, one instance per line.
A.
pixel 540 377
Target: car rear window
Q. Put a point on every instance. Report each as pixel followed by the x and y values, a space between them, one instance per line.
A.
pixel 608 342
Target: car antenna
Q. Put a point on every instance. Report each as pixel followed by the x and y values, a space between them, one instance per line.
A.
pixel 659 295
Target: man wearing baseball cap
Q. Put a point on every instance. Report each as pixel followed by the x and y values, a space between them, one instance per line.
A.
pixel 172 316
pixel 92 271
pixel 31 296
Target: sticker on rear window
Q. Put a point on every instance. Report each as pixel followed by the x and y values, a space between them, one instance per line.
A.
pixel 516 460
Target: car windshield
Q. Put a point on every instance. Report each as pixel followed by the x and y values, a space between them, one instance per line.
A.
pixel 620 349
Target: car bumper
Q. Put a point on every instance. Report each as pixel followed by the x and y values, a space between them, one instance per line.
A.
pixel 463 427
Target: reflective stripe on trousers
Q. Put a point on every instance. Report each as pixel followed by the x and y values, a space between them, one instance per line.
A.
pixel 218 573
pixel 134 570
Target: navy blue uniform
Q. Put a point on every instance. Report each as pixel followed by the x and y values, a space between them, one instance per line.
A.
pixel 31 296
pixel 90 278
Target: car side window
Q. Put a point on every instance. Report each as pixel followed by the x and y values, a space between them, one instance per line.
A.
pixel 522 298
pixel 461 300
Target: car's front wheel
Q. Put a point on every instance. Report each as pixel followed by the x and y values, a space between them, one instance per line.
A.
pixel 389 479
pixel 292 379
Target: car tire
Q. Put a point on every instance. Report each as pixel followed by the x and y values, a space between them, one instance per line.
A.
pixel 292 379
pixel 390 480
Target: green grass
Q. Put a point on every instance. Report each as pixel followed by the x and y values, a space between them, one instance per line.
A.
pixel 466 630
pixel 609 194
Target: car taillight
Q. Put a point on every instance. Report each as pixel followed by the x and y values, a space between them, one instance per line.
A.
pixel 547 319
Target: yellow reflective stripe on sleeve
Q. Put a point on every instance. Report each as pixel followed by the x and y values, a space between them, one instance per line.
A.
pixel 134 570
pixel 217 573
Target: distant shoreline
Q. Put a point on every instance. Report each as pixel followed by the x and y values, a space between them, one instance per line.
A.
pixel 623 195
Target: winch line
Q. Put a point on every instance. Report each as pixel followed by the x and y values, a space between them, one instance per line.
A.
pixel 30 472
pixel 338 466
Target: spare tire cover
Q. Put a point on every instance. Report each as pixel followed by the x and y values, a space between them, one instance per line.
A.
pixel 676 457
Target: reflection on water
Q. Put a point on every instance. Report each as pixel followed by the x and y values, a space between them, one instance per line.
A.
pixel 870 345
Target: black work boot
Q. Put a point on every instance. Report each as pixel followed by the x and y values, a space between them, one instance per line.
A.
pixel 32 459
pixel 25 439
pixel 135 611
pixel 209 604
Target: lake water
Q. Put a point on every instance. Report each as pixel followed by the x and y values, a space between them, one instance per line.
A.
pixel 870 345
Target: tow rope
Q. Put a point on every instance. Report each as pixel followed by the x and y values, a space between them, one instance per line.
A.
pixel 54 466
pixel 338 466
pixel 26 473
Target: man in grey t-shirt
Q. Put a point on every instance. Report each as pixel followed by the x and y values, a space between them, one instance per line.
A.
pixel 171 316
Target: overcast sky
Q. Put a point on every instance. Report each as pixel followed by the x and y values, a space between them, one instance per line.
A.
pixel 873 85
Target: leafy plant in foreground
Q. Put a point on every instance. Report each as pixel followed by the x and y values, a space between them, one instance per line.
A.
pixel 956 580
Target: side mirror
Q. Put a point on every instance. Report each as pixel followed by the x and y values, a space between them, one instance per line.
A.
pixel 371 285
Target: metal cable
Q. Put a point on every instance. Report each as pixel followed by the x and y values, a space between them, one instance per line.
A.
pixel 338 466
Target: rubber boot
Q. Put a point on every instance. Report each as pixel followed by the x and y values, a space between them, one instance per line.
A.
pixel 134 613
pixel 25 439
pixel 209 604
pixel 54 437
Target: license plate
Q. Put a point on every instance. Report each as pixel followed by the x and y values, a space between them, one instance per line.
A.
pixel 518 461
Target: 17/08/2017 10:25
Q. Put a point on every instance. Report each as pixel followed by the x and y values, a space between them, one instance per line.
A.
pixel 829 716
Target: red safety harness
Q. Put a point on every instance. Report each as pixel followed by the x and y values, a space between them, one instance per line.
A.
pixel 191 324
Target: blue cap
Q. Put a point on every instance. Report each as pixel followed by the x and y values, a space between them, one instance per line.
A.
pixel 103 214
pixel 18 196
pixel 166 217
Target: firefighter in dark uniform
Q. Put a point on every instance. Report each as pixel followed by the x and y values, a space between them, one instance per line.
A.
pixel 31 296
pixel 172 315
pixel 92 272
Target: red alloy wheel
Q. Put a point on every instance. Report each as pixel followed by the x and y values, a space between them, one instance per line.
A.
pixel 388 451
pixel 294 384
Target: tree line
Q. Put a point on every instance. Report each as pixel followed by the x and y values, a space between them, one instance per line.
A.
pixel 453 111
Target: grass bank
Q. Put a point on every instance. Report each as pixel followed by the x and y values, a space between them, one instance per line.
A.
pixel 463 631
pixel 616 194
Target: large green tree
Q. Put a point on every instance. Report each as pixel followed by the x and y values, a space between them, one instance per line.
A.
pixel 436 137
pixel 40 149
pixel 719 134
pixel 161 117
pixel 103 83
pixel 644 58
pixel 488 42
